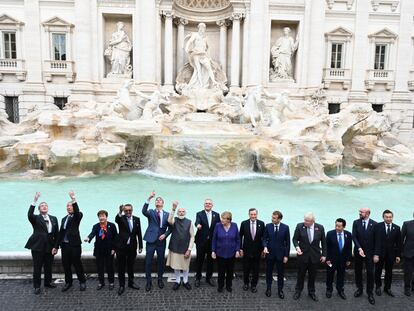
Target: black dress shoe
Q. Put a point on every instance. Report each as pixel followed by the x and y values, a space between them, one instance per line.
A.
pixel 50 285
pixel 407 292
pixel 268 292
pixel 328 294
pixel 220 289
pixel 36 291
pixel 371 299
pixel 296 295
pixel 246 287
pixel 148 287
pixel 197 283
pixel 313 297
pixel 176 286
pixel 82 287
pixel 187 286
pixel 281 294
pixel 66 287
pixel 211 282
pixel 229 289
pixel 358 293
pixel 160 284
pixel 342 294
pixel 121 290
pixel 254 289
pixel 133 286
pixel 378 291
pixel 111 286
pixel 100 286
pixel 389 292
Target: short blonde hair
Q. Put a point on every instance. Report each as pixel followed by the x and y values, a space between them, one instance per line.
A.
pixel 227 215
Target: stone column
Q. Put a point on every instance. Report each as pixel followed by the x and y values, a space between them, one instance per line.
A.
pixel 180 22
pixel 223 43
pixel 316 43
pixel 83 49
pixel 168 50
pixel 359 60
pixel 146 42
pixel 235 51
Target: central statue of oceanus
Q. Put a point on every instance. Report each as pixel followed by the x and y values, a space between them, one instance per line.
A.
pixel 201 72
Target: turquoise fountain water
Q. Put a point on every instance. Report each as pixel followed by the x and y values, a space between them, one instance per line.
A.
pixel 238 195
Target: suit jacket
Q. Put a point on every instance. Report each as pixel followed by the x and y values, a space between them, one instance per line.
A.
pixel 103 247
pixel 41 240
pixel 72 228
pixel 205 234
pixel 277 245
pixel 155 230
pixel 313 251
pixel 407 236
pixel 332 246
pixel 250 247
pixel 126 234
pixel 364 239
pixel 387 246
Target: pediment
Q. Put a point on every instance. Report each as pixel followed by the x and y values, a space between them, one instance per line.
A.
pixel 57 22
pixel 384 34
pixel 8 20
pixel 340 31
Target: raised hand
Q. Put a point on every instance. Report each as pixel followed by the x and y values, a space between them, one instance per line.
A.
pixel 175 204
pixel 36 197
pixel 72 195
pixel 152 194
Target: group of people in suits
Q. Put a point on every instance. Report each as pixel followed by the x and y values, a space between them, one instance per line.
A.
pixel 378 246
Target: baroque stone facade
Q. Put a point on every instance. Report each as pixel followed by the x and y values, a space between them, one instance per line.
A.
pixel 356 51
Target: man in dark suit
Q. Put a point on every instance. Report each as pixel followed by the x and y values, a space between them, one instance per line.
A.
pixel 41 242
pixel 363 236
pixel 276 243
pixel 339 255
pixel 310 243
pixel 251 247
pixel 129 228
pixel 70 242
pixel 407 236
pixel 206 221
pixel 387 251
pixel 156 236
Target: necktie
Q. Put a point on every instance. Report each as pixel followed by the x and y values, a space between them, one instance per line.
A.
pixel 340 242
pixel 388 229
pixel 253 230
pixel 309 234
pixel 209 219
pixel 159 217
pixel 130 223
pixel 48 225
pixel 363 225
pixel 276 229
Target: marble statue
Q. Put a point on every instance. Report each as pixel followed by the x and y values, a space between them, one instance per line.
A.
pixel 124 105
pixel 118 52
pixel 152 108
pixel 252 110
pixel 201 72
pixel 282 53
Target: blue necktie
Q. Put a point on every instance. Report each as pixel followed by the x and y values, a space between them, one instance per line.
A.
pixel 340 242
pixel 130 224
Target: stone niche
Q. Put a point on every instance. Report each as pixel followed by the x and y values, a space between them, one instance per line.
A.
pixel 276 32
pixel 109 27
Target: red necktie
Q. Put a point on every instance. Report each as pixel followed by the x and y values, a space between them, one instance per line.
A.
pixel 159 217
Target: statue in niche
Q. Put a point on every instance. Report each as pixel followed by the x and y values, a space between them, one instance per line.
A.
pixel 152 108
pixel 201 72
pixel 119 53
pixel 282 53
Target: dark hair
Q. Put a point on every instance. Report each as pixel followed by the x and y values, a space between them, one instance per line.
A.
pixel 278 214
pixel 129 205
pixel 102 212
pixel 159 199
pixel 341 220
pixel 387 211
pixel 252 209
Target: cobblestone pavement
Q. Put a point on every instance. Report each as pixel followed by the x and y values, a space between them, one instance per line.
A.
pixel 17 294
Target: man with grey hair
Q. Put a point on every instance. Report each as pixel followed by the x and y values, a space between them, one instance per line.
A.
pixel 310 244
pixel 407 234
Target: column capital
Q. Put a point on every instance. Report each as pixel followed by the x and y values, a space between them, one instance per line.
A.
pixel 181 21
pixel 167 14
pixel 236 16
pixel 223 23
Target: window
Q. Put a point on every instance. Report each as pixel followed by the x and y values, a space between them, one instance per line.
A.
pixel 334 108
pixel 9 45
pixel 337 55
pixel 380 53
pixel 60 102
pixel 377 107
pixel 59 46
pixel 12 108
